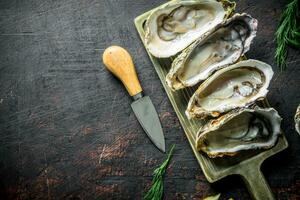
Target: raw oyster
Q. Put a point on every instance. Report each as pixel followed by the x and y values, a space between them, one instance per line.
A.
pixel 224 46
pixel 239 130
pixel 235 86
pixel 297 119
pixel 172 27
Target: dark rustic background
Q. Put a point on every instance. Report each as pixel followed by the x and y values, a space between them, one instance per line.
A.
pixel 66 128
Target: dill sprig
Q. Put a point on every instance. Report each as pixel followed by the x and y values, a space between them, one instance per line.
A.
pixel 288 32
pixel 157 189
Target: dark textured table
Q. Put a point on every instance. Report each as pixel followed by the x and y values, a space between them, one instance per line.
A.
pixel 66 128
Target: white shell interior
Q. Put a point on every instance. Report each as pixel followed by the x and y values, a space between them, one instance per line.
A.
pixel 235 86
pixel 250 129
pixel 172 28
pixel 237 132
pixel 232 87
pixel 223 47
pixel 297 120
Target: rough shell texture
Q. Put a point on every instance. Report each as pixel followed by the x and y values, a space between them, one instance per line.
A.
pixel 239 130
pixel 174 26
pixel 224 46
pixel 235 86
pixel 297 119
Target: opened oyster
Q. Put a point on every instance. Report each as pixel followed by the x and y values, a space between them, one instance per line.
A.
pixel 297 120
pixel 239 130
pixel 235 86
pixel 172 27
pixel 223 47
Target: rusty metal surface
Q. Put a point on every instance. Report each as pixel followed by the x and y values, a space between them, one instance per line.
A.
pixel 66 127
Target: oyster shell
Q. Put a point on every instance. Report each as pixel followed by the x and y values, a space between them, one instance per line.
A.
pixel 235 86
pixel 172 27
pixel 297 119
pixel 224 46
pixel 244 129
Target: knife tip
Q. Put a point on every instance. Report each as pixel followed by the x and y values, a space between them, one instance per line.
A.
pixel 163 149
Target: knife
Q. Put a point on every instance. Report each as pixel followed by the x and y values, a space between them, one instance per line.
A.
pixel 119 62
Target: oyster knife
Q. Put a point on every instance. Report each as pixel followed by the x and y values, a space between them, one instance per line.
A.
pixel 119 62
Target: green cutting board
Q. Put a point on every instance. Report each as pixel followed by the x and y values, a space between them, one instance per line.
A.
pixel 246 164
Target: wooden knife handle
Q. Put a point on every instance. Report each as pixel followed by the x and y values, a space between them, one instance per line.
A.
pixel 119 62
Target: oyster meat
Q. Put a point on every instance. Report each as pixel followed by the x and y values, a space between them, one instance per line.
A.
pixel 238 130
pixel 224 46
pixel 235 86
pixel 172 27
pixel 297 119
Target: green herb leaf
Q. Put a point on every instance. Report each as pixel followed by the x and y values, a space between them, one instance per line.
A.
pixel 157 189
pixel 287 33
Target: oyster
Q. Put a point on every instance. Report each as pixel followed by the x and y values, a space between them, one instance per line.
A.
pixel 239 130
pixel 224 46
pixel 235 86
pixel 297 119
pixel 172 27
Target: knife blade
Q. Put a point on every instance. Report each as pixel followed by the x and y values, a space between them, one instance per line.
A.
pixel 119 62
